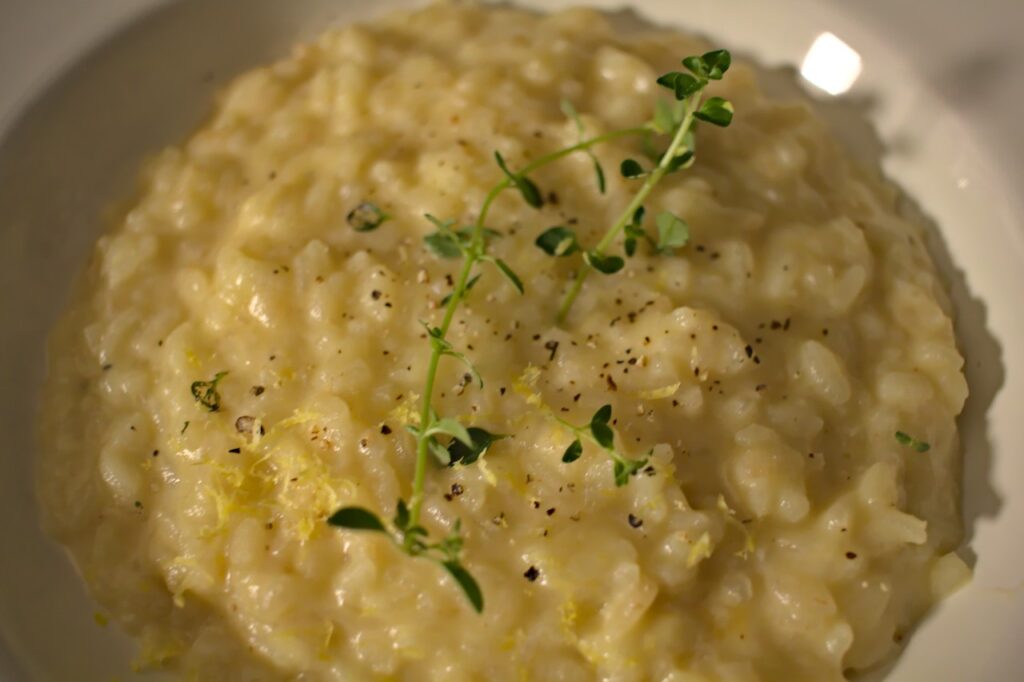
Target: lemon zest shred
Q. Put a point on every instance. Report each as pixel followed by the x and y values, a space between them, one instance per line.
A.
pixel 282 480
pixel 298 417
pixel 486 472
pixel 659 393
pixel 257 433
pixel 325 644
pixel 526 386
pixel 568 613
pixel 699 551
pixel 730 517
pixel 407 412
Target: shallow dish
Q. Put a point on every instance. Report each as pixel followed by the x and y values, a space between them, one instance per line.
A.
pixel 76 147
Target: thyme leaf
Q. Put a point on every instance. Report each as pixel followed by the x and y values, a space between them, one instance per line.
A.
pixel 366 217
pixel 717 111
pixel 205 392
pixel 558 241
pixel 468 584
pixel 573 452
pixel 509 273
pixel 912 442
pixel 480 441
pixel 607 265
pixel 673 232
pixel 623 469
pixel 570 112
pixel 630 168
pixel 356 518
pixel 531 194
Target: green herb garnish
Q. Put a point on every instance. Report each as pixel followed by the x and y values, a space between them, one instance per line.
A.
pixel 573 452
pixel 460 452
pixel 674 120
pixel 448 440
pixel 558 241
pixel 673 232
pixel 634 231
pixel 205 392
pixel 411 538
pixel 356 518
pixel 469 285
pixel 445 242
pixel 631 168
pixel 570 111
pixel 525 186
pixel 366 217
pixel 711 65
pixel 682 84
pixel 599 431
pixel 911 442
pixel 607 265
pixel 717 111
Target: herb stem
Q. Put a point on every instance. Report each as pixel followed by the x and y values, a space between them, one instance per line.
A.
pixel 428 390
pixel 580 146
pixel 569 425
pixel 649 184
pixel 478 226
pixel 584 432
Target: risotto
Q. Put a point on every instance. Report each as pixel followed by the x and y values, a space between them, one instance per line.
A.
pixel 779 530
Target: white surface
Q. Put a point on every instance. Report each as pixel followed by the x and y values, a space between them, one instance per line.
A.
pixel 942 81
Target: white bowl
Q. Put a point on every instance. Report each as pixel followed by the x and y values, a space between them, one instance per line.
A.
pixel 88 89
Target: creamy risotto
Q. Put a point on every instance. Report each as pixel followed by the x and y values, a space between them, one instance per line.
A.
pixel 781 531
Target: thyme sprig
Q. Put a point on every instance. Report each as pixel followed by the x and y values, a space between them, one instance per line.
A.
pixel 411 538
pixel 471 244
pixel 678 121
pixel 446 439
pixel 464 445
pixel 599 431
